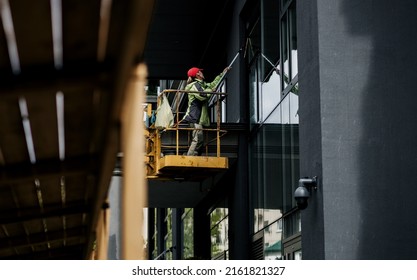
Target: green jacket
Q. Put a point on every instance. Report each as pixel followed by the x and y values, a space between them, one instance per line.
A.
pixel 197 111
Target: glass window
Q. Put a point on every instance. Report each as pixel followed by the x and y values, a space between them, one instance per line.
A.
pixel 254 92
pixel 272 242
pixel 292 224
pixel 285 78
pixel 253 49
pixel 188 233
pixel 285 110
pixel 155 236
pixel 290 148
pixel 273 157
pixel 253 42
pixel 270 97
pixel 168 244
pixel 293 40
pixel 288 45
pixel 219 233
pixel 168 236
pixel 279 226
pixel 284 3
pixel 270 35
pixel 258 219
pixel 298 255
pixel 266 175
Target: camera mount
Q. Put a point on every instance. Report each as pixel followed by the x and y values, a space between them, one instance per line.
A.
pixel 302 193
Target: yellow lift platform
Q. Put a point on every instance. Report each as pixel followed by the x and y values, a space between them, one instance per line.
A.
pixel 166 147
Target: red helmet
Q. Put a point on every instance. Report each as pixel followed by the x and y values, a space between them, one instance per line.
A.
pixel 193 72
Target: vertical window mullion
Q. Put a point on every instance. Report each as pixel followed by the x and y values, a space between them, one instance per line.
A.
pixel 293 41
pixel 289 33
pixel 282 44
pixel 287 75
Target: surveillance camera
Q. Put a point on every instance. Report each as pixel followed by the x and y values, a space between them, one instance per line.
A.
pixel 301 196
pixel 302 193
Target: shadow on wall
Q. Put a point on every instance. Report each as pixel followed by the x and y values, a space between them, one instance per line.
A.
pixel 387 151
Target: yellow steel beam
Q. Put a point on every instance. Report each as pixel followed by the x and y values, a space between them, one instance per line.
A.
pixel 174 161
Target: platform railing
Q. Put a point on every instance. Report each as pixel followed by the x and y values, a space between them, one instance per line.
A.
pixel 178 121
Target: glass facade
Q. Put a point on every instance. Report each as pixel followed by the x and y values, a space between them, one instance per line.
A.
pixel 274 154
pixel 168 235
pixel 219 233
pixel 188 233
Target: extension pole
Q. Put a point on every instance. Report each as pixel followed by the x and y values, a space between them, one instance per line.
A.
pixel 230 65
pixel 218 104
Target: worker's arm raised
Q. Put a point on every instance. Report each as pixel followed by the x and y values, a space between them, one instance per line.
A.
pixel 215 83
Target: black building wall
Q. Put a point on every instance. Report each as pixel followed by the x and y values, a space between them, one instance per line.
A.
pixel 358 70
pixel 237 112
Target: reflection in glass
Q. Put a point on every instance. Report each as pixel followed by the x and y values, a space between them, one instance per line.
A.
pixel 219 232
pixel 252 52
pixel 293 107
pixel 266 175
pixel 275 116
pixel 292 224
pixel 154 237
pixel 188 231
pixel 285 51
pixel 270 35
pixel 285 109
pixel 168 245
pixel 253 93
pixel 270 97
pixel 258 219
pixel 273 242
pixel 253 42
pixel 298 255
pixel 168 236
pixel 274 151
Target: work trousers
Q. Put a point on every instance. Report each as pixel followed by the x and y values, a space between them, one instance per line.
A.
pixel 197 139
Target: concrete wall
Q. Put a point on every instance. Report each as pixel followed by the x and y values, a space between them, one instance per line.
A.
pixel 358 65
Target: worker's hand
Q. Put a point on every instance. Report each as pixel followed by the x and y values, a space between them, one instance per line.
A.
pixel 226 69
